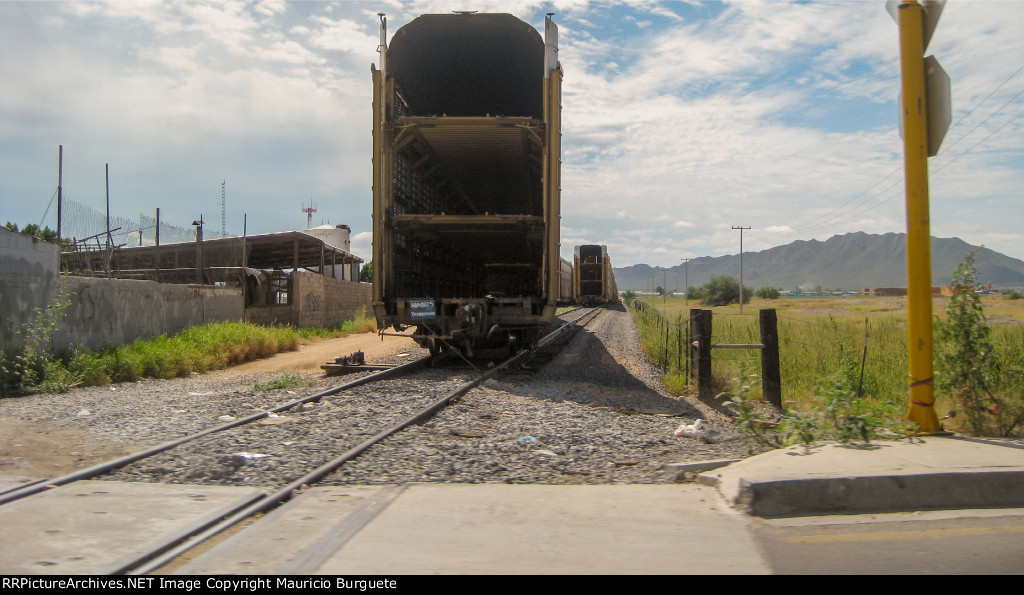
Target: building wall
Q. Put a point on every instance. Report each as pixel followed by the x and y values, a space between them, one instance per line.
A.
pixel 272 315
pixel 28 280
pixel 107 312
pixel 315 301
pixel 308 297
pixel 344 300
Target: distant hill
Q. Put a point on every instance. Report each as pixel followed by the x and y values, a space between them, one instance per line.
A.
pixel 851 261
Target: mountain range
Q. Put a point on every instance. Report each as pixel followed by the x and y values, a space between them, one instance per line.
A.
pixel 852 261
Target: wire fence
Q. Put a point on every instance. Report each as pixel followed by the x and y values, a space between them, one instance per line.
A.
pixel 869 356
pixel 87 228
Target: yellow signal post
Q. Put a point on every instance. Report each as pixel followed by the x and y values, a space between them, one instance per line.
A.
pixel 919 269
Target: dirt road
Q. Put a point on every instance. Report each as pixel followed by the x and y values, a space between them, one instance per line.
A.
pixel 311 356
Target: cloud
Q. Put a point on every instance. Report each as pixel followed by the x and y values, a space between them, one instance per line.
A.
pixel 775 115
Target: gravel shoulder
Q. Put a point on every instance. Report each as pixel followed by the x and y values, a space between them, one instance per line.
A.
pixel 48 435
pixel 594 414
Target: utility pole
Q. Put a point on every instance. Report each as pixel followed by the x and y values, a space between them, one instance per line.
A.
pixel 199 249
pixel 741 228
pixel 60 190
pixel 223 210
pixel 686 285
pixel 109 242
pixel 108 209
pixel 924 114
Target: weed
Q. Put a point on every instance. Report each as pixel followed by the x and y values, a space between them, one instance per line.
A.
pixel 838 414
pixel 969 365
pixel 289 380
pixel 752 421
pixel 33 367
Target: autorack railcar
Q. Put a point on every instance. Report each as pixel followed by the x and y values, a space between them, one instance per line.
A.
pixel 593 278
pixel 466 179
pixel 565 287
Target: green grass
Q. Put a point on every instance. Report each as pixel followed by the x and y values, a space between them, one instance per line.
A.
pixel 360 324
pixel 820 341
pixel 289 380
pixel 197 349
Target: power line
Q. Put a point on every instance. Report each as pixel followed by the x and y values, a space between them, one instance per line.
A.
pixel 835 216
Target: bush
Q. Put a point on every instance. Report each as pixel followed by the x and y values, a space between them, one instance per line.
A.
pixel 768 293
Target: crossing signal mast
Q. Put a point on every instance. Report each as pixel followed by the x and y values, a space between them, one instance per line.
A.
pixel 309 214
pixel 924 118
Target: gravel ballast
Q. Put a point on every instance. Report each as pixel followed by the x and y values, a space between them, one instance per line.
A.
pixel 594 414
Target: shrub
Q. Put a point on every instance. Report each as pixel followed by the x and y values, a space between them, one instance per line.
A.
pixel 968 366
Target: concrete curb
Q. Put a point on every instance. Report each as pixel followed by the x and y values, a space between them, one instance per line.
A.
pixel 885 477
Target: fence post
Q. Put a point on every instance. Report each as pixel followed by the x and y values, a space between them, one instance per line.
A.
pixel 700 325
pixel 771 378
pixel 679 345
pixel 667 325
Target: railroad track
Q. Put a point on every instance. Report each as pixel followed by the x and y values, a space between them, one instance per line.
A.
pixel 421 408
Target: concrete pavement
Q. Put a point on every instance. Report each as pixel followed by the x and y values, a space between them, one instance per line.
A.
pixel 697 527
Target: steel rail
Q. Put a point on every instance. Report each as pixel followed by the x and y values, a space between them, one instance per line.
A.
pixel 40 486
pixel 153 560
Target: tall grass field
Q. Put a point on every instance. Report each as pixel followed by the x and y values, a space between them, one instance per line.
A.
pixel 860 342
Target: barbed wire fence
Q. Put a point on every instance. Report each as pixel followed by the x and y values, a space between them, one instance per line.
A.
pixel 87 228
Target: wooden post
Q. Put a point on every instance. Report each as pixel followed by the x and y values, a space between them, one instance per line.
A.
pixel 700 324
pixel 771 378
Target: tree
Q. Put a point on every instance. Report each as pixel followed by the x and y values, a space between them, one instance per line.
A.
pixel 767 293
pixel 724 290
pixel 46 234
pixel 366 273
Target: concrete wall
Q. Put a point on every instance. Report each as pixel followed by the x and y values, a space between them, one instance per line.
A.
pixel 28 280
pixel 273 315
pixel 316 301
pixel 106 312
pixel 344 300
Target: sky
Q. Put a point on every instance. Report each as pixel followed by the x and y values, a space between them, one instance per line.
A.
pixel 681 120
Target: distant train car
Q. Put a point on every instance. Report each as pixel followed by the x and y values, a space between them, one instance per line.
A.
pixel 565 293
pixel 466 180
pixel 593 278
